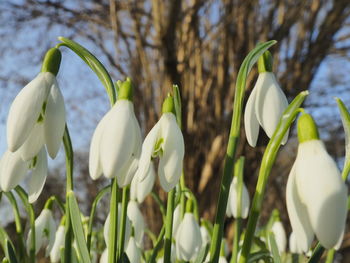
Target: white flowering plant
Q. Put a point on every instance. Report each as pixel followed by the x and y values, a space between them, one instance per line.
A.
pixel 316 195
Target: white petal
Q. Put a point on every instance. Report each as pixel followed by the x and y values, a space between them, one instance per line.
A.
pixel 293 244
pixel 228 206
pixel 136 218
pixel 25 110
pixel 13 170
pixel 38 177
pixel 270 102
pixel 51 231
pixel 298 215
pixel 33 144
pixel 322 190
pixel 188 238
pixel 251 124
pixel 147 151
pixel 234 197
pixel 280 236
pixel 205 236
pixel 133 252
pixel 104 256
pixel 55 253
pixel 95 168
pixel 116 142
pixel 170 164
pixel 55 120
pixel 176 219
pixel 140 189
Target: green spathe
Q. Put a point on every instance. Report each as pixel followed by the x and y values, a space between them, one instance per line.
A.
pixel 168 105
pixel 265 62
pixel 307 129
pixel 126 90
pixel 52 61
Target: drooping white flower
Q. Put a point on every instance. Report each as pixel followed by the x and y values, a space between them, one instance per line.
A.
pixel 280 236
pixel 316 194
pixel 264 107
pixel 139 189
pixel 133 251
pixel 205 236
pixel 45 230
pixel 137 221
pixel 127 227
pixel 166 140
pixel 293 244
pixel 116 144
pixel 176 219
pixel 232 208
pixel 188 238
pixel 37 117
pixel 13 170
pixel 55 253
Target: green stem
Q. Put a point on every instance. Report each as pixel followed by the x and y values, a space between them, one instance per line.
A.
pixel 113 229
pixel 235 129
pixel 238 229
pixel 169 226
pixel 182 196
pixel 268 160
pixel 98 197
pixel 157 246
pixel 239 167
pixel 19 229
pixel 69 187
pixel 123 222
pixel 156 198
pixel 29 207
pixel 330 255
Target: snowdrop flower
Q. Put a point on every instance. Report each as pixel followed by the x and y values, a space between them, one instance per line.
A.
pixel 37 115
pixel 188 238
pixel 45 228
pixel 127 227
pixel 205 236
pixel 166 141
pixel 116 144
pixel 232 208
pixel 13 170
pixel 265 104
pixel 139 189
pixel 133 251
pixel 293 244
pixel 176 219
pixel 136 218
pixel 316 195
pixel 55 253
pixel 280 236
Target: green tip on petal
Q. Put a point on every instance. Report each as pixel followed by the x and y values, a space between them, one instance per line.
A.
pixel 125 90
pixel 168 105
pixel 307 129
pixel 52 61
pixel 265 62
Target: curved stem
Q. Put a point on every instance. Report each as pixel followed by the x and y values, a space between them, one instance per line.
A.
pixel 69 187
pixel 19 229
pixel 169 226
pixel 235 129
pixel 98 197
pixel 157 246
pixel 268 160
pixel 29 207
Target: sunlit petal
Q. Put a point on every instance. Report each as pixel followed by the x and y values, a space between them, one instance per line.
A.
pixel 251 124
pixel 37 177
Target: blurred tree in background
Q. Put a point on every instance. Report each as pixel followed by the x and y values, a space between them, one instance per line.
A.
pixel 198 45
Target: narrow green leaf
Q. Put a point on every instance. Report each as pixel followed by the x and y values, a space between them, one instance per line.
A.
pixel 3 238
pixel 274 248
pixel 78 228
pixel 261 255
pixel 11 252
pixel 94 64
pixel 345 117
